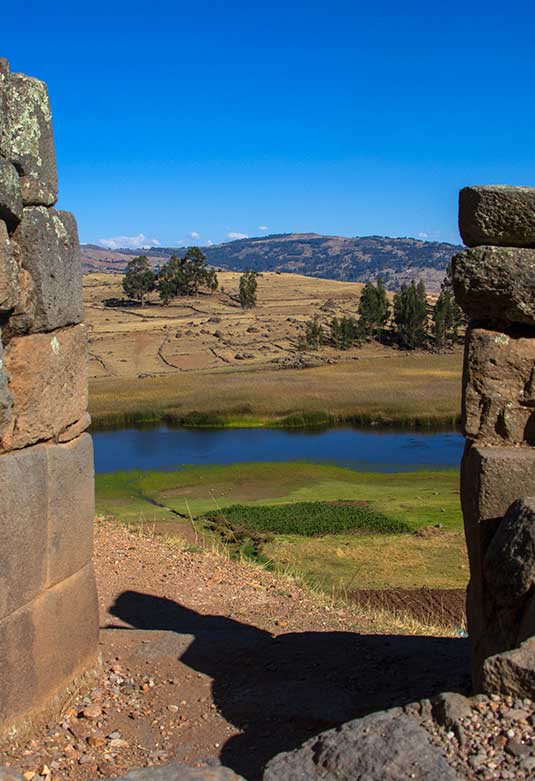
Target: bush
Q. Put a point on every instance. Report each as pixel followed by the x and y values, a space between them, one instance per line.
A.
pixel 308 519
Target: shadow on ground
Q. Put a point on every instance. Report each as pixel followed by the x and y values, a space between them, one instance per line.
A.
pixel 279 691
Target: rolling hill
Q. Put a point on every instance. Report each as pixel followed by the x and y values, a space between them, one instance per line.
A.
pixel 357 259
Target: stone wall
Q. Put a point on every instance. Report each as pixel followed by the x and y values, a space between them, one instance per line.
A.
pixel 48 602
pixel 494 283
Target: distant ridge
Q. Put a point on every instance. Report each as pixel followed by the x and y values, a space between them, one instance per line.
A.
pixel 356 259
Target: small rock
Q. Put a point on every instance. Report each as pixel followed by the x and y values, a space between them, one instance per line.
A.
pixel 92 712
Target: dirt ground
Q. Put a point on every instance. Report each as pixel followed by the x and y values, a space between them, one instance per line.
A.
pixel 207 332
pixel 207 660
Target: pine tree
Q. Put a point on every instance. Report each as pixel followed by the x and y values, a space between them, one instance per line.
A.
pixel 374 309
pixel 410 315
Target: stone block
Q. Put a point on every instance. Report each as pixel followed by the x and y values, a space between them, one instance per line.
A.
pixel 495 284
pixel 71 507
pixel 509 564
pixel 48 383
pixel 6 401
pixel 29 142
pixel 46 644
pixel 176 771
pixel 497 214
pixel 9 273
pixel 10 197
pixel 384 746
pixel 492 478
pixel 511 673
pixel 46 245
pixel 499 386
pixel 23 499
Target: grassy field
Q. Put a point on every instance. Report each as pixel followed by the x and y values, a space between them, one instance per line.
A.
pixel 204 361
pixel 425 556
pixel 399 388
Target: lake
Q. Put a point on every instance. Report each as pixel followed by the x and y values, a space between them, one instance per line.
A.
pixel 166 448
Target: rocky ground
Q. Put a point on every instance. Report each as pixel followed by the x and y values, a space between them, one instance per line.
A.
pixel 207 660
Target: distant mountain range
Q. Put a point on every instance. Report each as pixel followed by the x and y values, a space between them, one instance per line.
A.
pixel 356 259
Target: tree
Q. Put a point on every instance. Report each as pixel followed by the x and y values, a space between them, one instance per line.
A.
pixel 345 332
pixel 447 318
pixel 374 309
pixel 410 315
pixel 184 276
pixel 248 286
pixel 312 339
pixel 140 279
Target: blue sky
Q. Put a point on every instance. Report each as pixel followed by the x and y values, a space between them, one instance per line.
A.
pixel 198 122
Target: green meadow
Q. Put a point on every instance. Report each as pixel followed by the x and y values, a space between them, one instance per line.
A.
pixel 392 530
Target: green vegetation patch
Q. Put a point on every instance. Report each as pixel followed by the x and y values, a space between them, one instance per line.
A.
pixel 310 519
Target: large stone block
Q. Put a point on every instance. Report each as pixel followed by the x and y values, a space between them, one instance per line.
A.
pixel 512 672
pixel 495 284
pixel 9 273
pixel 45 645
pixel 48 383
pixel 29 142
pixel 23 501
pixel 499 386
pixel 497 214
pixel 46 245
pixel 71 507
pixel 509 564
pixel 10 196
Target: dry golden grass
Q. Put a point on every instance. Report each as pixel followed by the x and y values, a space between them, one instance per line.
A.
pixel 182 359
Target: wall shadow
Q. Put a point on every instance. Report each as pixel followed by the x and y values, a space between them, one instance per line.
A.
pixel 279 691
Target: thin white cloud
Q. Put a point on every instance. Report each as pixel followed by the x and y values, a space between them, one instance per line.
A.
pixel 236 235
pixel 263 228
pixel 194 235
pixel 209 243
pixel 423 235
pixel 129 242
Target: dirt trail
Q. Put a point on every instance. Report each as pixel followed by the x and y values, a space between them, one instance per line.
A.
pixel 206 658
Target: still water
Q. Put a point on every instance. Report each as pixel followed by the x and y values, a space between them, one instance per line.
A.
pixel 162 447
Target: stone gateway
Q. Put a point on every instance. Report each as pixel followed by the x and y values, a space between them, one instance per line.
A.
pixel 48 600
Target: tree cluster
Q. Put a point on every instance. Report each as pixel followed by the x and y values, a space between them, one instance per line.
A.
pixel 415 323
pixel 178 277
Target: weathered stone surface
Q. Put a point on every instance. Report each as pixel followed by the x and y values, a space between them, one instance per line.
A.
pixel 71 507
pixel 6 401
pixel 71 432
pixel 385 746
pixel 492 478
pixel 9 273
pixel 48 383
pixel 29 143
pixel 449 708
pixel 47 247
pixel 10 197
pixel 495 284
pixel 46 644
pixel 23 496
pixel 512 672
pixel 509 565
pixel 176 771
pixel 499 386
pixel 497 214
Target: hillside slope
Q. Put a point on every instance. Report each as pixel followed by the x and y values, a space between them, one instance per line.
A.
pixel 355 259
